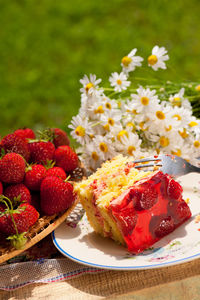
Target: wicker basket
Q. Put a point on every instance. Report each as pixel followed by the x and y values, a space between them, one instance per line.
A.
pixel 44 226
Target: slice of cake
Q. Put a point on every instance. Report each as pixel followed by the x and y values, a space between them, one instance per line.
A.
pixel 135 208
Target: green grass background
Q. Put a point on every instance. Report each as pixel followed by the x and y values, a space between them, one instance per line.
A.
pixel 46 46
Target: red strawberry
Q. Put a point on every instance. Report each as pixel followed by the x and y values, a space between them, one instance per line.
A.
pixel 1 188
pixel 60 137
pixel 24 216
pixel 41 151
pixel 56 195
pixel 12 168
pixel 34 176
pixel 127 220
pixel 25 134
pixel 66 158
pixel 14 143
pixel 174 189
pixel 35 200
pixel 18 191
pixel 165 226
pixel 56 171
pixel 145 197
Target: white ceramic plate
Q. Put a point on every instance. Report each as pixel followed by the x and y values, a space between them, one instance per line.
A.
pixel 77 241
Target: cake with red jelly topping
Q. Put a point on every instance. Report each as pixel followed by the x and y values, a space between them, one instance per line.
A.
pixel 134 208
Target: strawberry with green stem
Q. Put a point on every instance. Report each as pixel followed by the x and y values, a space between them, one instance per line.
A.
pixel 15 222
pixel 42 149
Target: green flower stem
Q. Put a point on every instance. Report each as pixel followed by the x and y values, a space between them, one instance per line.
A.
pixel 10 211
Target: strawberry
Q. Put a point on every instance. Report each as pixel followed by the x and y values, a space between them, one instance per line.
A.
pixel 12 168
pixel 174 189
pixel 1 188
pixel 60 137
pixel 34 176
pixel 165 226
pixel 144 197
pixel 25 133
pixel 127 220
pixel 56 195
pixel 56 171
pixel 14 143
pixel 66 158
pixel 41 151
pixel 24 217
pixel 35 200
pixel 18 192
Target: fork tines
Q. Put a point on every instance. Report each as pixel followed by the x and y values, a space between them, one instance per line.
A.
pixel 147 159
pixel 147 165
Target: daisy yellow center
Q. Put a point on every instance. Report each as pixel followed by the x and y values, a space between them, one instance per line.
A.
pixel 196 144
pixel 95 155
pixel 197 88
pixel 168 128
pixel 122 133
pixel 178 152
pixel 111 122
pixel 99 110
pixel 157 150
pixel 183 133
pixel 164 141
pixel 130 124
pixel 134 111
pixel 144 100
pixel 89 86
pixel 130 150
pixel 152 59
pixel 126 61
pixel 119 82
pixel 141 124
pixel 103 147
pixel 193 123
pixel 176 101
pixel 108 105
pixel 106 127
pixel 177 116
pixel 80 131
pixel 119 104
pixel 160 115
pixel 91 136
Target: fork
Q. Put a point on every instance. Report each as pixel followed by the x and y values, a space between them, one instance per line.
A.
pixel 170 164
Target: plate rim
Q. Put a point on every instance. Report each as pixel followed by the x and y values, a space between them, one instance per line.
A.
pixel 122 268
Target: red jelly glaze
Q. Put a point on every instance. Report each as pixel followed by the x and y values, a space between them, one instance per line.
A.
pixel 164 212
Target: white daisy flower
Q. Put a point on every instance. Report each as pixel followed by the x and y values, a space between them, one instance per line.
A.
pixel 111 119
pixel 104 147
pixel 109 104
pixel 119 81
pixel 194 126
pixel 144 101
pixel 179 100
pixel 182 116
pixel 158 57
pixel 129 145
pixel 91 158
pixel 81 129
pixel 131 61
pixel 169 142
pixel 90 85
pixel 161 120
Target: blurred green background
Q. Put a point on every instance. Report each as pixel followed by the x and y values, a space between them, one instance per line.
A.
pixel 47 46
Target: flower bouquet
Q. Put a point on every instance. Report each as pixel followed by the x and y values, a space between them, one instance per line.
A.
pixel 137 119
